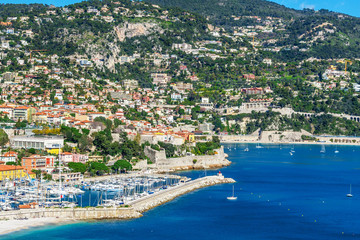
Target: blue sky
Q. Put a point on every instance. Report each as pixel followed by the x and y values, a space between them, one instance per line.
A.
pixel 351 7
pixel 54 2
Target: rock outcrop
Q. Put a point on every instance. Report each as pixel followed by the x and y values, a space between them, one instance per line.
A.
pixel 130 30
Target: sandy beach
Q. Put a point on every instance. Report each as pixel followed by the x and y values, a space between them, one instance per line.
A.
pixel 9 226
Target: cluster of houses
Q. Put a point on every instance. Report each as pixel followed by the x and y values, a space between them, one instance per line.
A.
pixel 53 144
pixel 45 163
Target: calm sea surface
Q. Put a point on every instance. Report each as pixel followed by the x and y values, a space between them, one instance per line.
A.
pixel 280 196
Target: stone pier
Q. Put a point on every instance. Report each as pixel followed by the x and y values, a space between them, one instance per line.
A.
pixel 159 198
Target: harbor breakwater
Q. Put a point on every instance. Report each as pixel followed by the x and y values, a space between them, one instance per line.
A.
pixel 151 201
pixel 135 209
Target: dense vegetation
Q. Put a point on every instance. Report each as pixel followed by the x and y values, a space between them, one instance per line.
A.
pixel 317 125
pixel 222 13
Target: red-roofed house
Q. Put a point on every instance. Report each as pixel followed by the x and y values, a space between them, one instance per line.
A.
pixel 9 157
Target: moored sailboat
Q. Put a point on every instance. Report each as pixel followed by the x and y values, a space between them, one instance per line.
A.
pixel 349 194
pixel 322 149
pixel 233 196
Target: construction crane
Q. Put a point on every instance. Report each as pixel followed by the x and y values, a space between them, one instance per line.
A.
pixel 36 51
pixel 347 61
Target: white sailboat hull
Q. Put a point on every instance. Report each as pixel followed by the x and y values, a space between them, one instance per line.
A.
pixel 231 198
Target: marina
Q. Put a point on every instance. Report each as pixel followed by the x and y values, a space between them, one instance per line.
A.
pixel 54 215
pixel 113 191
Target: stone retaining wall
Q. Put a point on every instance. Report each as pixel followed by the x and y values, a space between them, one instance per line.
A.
pixel 72 213
pixel 154 155
pixel 194 162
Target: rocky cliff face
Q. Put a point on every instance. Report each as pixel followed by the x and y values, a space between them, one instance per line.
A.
pixel 286 136
pixel 109 48
pixel 130 30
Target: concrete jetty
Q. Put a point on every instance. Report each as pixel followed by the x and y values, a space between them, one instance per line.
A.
pixel 133 209
pixel 156 199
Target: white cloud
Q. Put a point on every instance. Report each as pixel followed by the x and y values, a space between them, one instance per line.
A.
pixel 305 5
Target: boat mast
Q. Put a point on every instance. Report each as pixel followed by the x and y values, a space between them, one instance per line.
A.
pixel 60 183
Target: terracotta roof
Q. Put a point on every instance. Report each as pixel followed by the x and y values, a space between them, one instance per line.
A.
pixel 66 153
pixel 96 113
pixel 9 167
pixel 9 154
pixel 21 107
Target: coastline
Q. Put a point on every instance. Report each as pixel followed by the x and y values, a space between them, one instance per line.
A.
pixel 10 226
pixel 10 222
pixel 290 143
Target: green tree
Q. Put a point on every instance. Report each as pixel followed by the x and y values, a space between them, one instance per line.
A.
pixel 67 148
pixel 32 150
pixel 137 138
pixel 19 124
pixel 4 138
pixel 169 149
pixel 37 172
pixel 84 143
pixel 77 167
pixel 98 168
pixel 122 164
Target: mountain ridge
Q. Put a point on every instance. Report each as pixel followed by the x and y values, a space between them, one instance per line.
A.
pixel 219 11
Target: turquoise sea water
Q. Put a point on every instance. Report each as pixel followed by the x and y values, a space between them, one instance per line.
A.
pixel 280 196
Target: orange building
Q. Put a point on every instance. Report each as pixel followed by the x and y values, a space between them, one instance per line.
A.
pixel 33 162
pixel 5 23
pixel 186 135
